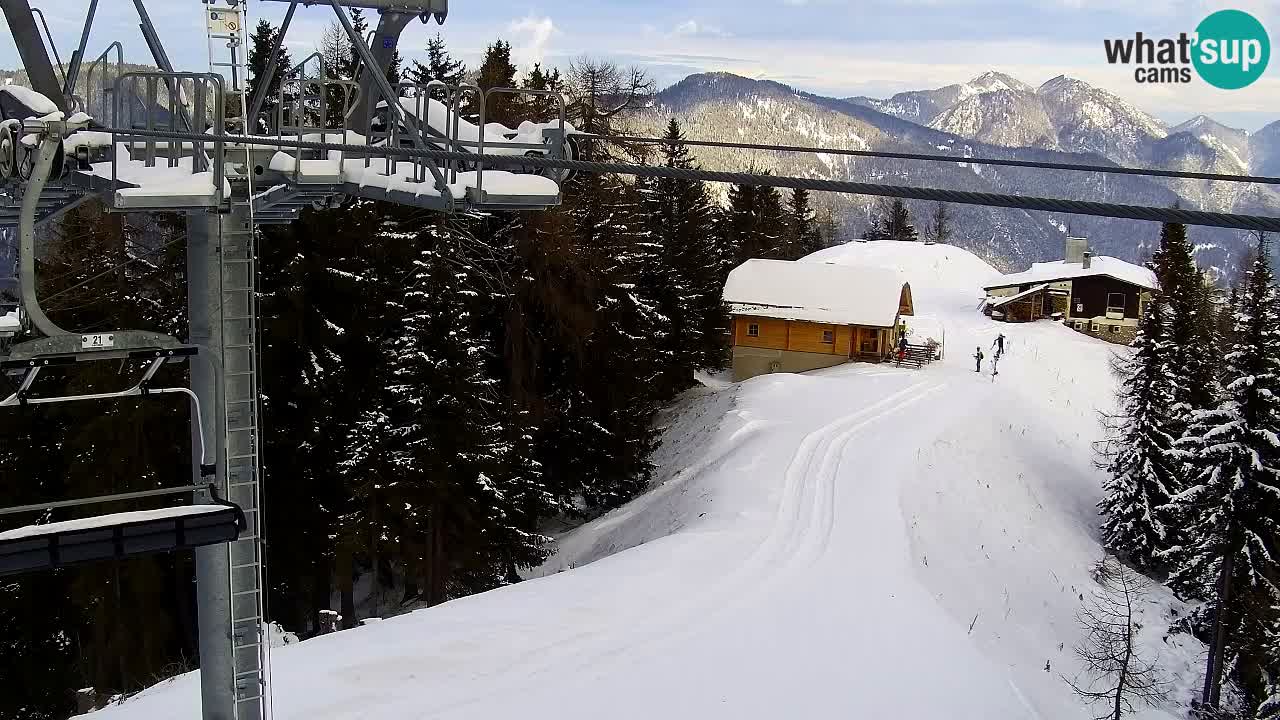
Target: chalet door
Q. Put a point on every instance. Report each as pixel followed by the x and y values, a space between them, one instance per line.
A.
pixel 868 341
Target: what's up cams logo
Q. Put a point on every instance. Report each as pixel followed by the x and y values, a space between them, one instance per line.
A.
pixel 1229 50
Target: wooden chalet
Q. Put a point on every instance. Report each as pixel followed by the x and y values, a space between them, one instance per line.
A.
pixel 797 316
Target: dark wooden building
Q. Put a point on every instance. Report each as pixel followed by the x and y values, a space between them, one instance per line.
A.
pixel 1100 296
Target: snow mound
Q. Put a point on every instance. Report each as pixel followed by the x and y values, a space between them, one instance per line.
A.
pixel 929 268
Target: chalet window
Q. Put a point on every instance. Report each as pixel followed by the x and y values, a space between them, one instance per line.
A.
pixel 1093 327
pixel 1115 329
pixel 829 337
pixel 1116 303
pixel 753 330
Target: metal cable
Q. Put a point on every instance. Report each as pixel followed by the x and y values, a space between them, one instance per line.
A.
pixel 56 504
pixel 927 157
pixel 964 197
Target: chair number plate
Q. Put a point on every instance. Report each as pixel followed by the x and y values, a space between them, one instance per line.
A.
pixel 97 342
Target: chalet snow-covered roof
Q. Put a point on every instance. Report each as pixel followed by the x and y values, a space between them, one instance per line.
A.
pixel 1102 265
pixel 815 292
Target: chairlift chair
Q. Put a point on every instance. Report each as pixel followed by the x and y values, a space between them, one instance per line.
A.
pixel 115 536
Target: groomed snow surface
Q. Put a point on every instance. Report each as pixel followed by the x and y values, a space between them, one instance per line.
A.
pixel 858 542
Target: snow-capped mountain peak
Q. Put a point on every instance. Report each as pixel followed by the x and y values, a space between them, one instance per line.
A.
pixel 992 81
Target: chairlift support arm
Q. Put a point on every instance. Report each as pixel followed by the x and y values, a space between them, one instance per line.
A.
pixel 77 57
pixel 50 143
pixel 35 57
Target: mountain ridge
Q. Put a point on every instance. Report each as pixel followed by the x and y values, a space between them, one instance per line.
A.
pixel 1063 120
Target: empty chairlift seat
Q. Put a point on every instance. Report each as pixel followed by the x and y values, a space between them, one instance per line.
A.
pixel 116 536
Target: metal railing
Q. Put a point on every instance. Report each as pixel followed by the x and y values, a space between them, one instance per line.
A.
pixel 396 126
pixel 558 139
pixel 205 109
pixel 107 90
pixel 304 108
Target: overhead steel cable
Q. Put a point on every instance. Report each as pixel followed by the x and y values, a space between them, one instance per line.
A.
pixel 932 157
pixel 964 197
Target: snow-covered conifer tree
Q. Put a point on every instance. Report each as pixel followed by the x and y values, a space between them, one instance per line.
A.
pixel 1142 466
pixel 1230 511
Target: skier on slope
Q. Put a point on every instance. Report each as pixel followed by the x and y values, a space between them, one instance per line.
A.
pixel 978 356
pixel 902 348
pixel 998 345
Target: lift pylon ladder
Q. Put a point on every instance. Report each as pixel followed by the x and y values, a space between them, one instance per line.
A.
pixel 242 443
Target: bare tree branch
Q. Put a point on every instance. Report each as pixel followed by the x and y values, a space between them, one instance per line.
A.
pixel 1115 670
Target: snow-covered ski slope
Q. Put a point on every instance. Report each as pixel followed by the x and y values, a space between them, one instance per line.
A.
pixel 858 542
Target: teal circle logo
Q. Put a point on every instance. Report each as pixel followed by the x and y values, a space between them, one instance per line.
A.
pixel 1231 49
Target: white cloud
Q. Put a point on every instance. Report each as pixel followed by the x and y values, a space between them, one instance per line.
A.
pixel 530 38
pixel 693 28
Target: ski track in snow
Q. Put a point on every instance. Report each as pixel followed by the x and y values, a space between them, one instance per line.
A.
pixel 800 533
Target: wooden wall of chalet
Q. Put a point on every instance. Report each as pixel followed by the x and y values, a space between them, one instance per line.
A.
pixel 1027 309
pixel 1092 292
pixel 793 335
pixel 772 333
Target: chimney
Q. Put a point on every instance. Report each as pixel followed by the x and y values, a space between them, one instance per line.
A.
pixel 1076 248
pixel 1086 259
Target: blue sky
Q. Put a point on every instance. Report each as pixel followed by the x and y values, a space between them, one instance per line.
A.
pixel 837 47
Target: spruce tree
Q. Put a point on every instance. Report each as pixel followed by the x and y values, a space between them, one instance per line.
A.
pixel 262 41
pixel 895 224
pixel 1230 511
pixel 541 108
pixel 439 66
pixel 497 70
pixel 395 69
pixel 1190 324
pixel 614 386
pixel 1269 708
pixel 685 279
pixel 828 228
pixel 802 236
pixel 754 223
pixel 1142 468
pixel 470 496
pixel 361 27
pixel 939 230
